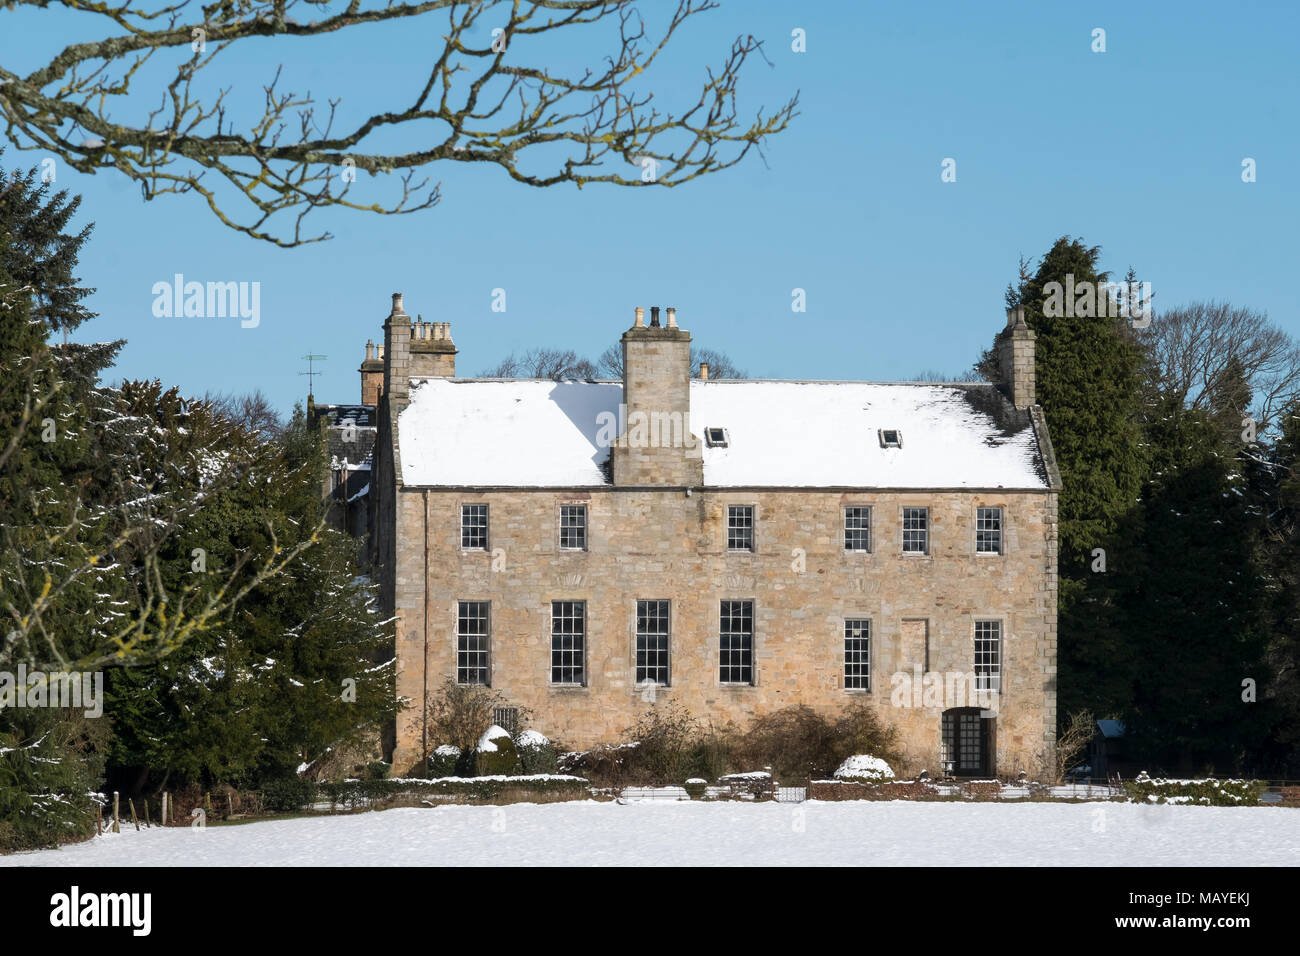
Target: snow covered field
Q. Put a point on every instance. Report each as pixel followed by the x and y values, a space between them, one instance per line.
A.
pixel 701 834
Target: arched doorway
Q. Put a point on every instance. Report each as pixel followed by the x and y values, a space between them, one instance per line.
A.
pixel 968 742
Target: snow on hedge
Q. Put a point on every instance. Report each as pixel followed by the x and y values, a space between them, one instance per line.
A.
pixel 532 738
pixel 485 744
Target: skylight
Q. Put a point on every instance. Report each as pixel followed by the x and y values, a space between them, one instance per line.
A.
pixel 891 438
pixel 716 437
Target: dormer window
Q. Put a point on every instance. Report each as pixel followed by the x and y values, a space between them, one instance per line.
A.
pixel 716 437
pixel 891 438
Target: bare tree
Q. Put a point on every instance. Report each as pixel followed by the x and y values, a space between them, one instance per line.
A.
pixel 498 99
pixel 556 364
pixel 1074 739
pixel 251 410
pixel 1196 349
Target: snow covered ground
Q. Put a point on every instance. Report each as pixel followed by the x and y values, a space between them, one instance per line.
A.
pixel 701 834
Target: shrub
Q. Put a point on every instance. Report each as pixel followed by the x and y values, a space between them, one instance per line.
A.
pixel 536 753
pixel 288 794
pixel 460 713
pixel 357 793
pixel 1209 792
pixel 496 754
pixel 443 761
pixel 862 768
pixel 666 737
pixel 798 742
pixel 377 769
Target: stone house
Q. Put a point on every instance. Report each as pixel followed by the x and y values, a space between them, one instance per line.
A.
pixel 591 549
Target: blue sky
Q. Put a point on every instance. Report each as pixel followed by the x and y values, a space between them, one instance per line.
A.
pixel 1137 149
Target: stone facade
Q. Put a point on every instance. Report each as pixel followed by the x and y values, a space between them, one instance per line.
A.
pixel 656 532
pixel 804 584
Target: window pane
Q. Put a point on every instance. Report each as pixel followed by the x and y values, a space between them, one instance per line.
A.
pixel 740 528
pixel 474 527
pixel 568 639
pixel 573 527
pixel 988 655
pixel 988 530
pixel 857 654
pixel 857 529
pixel 736 643
pixel 652 642
pixel 472 642
pixel 916 530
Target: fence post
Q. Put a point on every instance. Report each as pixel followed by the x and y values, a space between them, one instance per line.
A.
pixel 117 827
pixel 131 805
pixel 99 820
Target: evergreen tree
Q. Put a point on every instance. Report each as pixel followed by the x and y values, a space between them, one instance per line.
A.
pixel 1194 609
pixel 1088 379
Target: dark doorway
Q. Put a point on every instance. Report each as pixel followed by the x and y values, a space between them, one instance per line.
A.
pixel 968 742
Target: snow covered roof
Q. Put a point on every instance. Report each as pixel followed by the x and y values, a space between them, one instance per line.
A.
pixel 531 433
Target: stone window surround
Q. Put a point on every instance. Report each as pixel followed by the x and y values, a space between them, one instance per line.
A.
pixel 753 527
pixel 871 656
pixel 753 647
pixel 585 683
pixel 977 619
pixel 460 529
pixel 975 507
pixel 633 622
pixel 560 505
pixel 455 639
pixel 928 553
pixel 871 529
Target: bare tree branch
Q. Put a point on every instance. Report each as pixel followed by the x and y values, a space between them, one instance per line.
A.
pixel 487 103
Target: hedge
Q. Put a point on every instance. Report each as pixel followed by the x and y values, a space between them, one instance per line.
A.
pixel 353 792
pixel 1211 792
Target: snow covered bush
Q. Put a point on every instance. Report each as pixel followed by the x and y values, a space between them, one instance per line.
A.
pixel 496 754
pixel 1210 792
pixel 536 753
pixel 444 761
pixel 696 788
pixel 863 768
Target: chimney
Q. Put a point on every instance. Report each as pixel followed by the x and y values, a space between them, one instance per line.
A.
pixel 372 376
pixel 656 446
pixel 433 355
pixel 704 371
pixel 1015 349
pixel 672 317
pixel 397 352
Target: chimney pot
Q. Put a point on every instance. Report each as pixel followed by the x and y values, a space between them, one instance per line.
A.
pixel 672 317
pixel 654 316
pixel 640 318
pixel 704 371
pixel 397 304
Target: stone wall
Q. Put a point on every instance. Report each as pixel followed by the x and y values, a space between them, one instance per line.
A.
pixel 653 544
